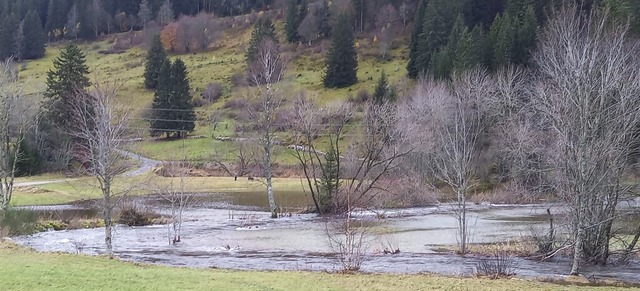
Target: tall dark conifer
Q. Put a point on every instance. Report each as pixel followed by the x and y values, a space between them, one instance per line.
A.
pixel 342 59
pixel 263 28
pixel 156 56
pixel 8 39
pixel 161 106
pixel 68 76
pixel 291 22
pixel 33 36
pixel 183 114
pixel 412 66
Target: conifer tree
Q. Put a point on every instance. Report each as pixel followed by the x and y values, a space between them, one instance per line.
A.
pixel 329 182
pixel 33 36
pixel 183 115
pixel 526 37
pixel 502 38
pixel 323 14
pixel 412 66
pixel 156 56
pixel 161 106
pixel 342 59
pixel 10 26
pixel 263 28
pixel 436 29
pixel 291 22
pixel 382 91
pixel 68 76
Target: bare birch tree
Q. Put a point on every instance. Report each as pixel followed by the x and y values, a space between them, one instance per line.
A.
pixel 589 95
pixel 16 117
pixel 100 128
pixel 265 72
pixel 444 123
pixel 178 198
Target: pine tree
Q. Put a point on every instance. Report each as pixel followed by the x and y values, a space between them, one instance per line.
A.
pixel 412 67
pixel 382 89
pixel 291 22
pixel 502 38
pixel 329 182
pixel 323 14
pixel 68 76
pixel 10 26
pixel 436 29
pixel 526 37
pixel 34 38
pixel 263 28
pixel 156 56
pixel 161 106
pixel 183 115
pixel 342 59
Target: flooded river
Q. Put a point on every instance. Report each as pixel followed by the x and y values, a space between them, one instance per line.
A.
pixel 218 232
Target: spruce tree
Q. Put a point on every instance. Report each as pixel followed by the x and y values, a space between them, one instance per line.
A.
pixel 263 28
pixel 502 38
pixel 329 182
pixel 10 26
pixel 382 89
pixel 161 106
pixel 183 115
pixel 412 67
pixel 156 56
pixel 323 14
pixel 291 22
pixel 68 76
pixel 436 29
pixel 342 59
pixel 34 38
pixel 526 37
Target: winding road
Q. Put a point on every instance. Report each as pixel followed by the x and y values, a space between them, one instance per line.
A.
pixel 146 165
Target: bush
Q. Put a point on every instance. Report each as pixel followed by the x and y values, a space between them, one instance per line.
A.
pixel 134 215
pixel 18 222
pixel 501 264
pixel 213 92
pixel 362 97
pixel 239 79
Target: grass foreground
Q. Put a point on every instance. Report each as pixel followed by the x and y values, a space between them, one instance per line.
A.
pixel 25 269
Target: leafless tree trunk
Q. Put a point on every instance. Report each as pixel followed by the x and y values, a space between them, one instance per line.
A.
pixel 265 72
pixel 589 95
pixel 444 123
pixel 101 128
pixel 16 117
pixel 179 199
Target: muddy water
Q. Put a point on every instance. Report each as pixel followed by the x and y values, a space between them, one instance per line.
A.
pixel 243 238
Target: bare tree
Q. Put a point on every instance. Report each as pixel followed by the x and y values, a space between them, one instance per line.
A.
pixel 444 123
pixel 186 34
pixel 96 16
pixel 265 72
pixel 207 30
pixel 386 26
pixel 245 156
pixel 72 22
pixel 308 28
pixel 589 95
pixel 178 198
pixel 165 14
pixel 100 128
pixel 16 117
pixel 145 14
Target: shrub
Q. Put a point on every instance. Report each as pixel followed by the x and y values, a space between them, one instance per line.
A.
pixel 18 222
pixel 213 92
pixel 501 264
pixel 239 79
pixel 132 214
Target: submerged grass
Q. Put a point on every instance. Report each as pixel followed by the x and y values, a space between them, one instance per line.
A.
pixel 25 269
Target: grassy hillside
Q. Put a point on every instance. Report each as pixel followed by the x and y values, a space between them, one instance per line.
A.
pixel 24 269
pixel 304 72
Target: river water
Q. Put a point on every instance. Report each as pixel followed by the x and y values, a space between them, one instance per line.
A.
pixel 221 234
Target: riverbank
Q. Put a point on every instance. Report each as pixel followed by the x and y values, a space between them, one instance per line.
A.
pixel 25 269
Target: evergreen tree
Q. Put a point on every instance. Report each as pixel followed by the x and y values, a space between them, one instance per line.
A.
pixel 291 22
pixel 412 66
pixel 323 14
pixel 181 101
pixel 383 91
pixel 145 14
pixel 34 38
pixel 161 106
pixel 342 59
pixel 68 76
pixel 8 37
pixel 263 28
pixel 436 29
pixel 526 37
pixel 502 38
pixel 156 56
pixel 329 182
